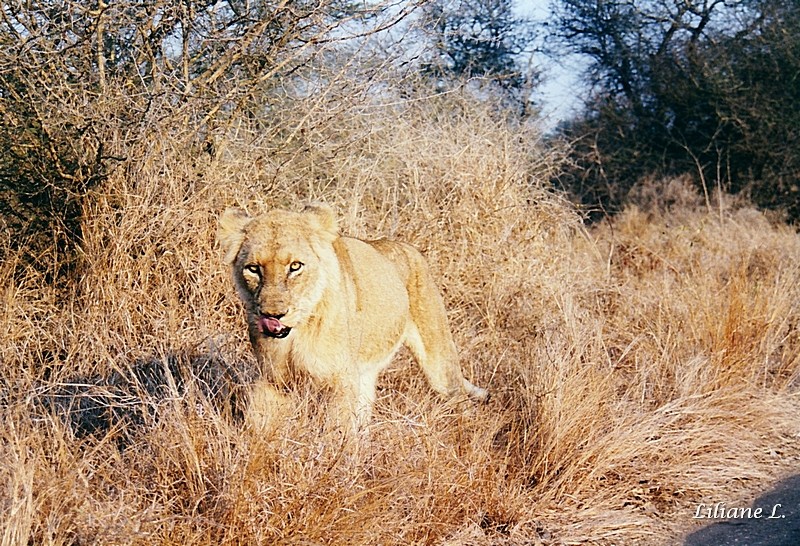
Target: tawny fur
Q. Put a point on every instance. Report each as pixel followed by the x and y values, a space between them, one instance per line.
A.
pixel 347 305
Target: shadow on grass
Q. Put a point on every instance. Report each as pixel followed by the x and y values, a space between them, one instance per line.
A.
pixel 125 401
pixel 777 524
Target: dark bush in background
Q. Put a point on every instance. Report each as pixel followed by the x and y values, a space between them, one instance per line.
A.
pixel 709 88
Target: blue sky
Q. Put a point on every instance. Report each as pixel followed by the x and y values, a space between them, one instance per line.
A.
pixel 560 93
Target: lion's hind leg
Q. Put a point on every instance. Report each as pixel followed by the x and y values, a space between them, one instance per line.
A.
pixel 438 359
pixel 427 333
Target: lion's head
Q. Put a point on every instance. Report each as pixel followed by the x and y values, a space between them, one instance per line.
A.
pixel 281 263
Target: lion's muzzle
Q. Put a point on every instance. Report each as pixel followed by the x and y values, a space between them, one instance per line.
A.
pixel 271 326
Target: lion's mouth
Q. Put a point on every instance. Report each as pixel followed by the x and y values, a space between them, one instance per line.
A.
pixel 271 326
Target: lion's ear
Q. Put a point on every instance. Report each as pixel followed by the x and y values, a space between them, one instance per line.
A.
pixel 324 216
pixel 230 233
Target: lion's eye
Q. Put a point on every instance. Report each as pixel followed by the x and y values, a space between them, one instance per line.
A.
pixel 294 267
pixel 253 268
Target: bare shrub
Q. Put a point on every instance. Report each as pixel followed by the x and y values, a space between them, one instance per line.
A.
pixel 82 84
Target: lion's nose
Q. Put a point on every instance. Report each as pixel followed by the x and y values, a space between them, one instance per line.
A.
pixel 273 312
pixel 273 306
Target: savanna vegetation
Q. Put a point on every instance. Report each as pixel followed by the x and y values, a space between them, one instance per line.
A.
pixel 638 365
pixel 706 88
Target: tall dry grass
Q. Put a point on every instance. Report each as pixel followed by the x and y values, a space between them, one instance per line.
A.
pixel 637 368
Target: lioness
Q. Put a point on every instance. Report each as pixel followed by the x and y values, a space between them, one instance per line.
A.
pixel 335 309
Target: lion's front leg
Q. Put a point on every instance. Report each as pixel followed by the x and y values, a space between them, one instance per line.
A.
pixel 352 400
pixel 267 407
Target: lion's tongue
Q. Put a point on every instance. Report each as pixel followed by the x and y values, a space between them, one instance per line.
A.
pixel 271 325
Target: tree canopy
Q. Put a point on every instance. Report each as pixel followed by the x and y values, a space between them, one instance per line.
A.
pixel 707 87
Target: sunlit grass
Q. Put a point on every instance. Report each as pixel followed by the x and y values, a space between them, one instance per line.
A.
pixel 637 368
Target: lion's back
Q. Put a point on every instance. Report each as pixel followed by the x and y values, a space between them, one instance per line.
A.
pixel 377 268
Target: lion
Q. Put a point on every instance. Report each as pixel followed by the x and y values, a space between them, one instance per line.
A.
pixel 335 310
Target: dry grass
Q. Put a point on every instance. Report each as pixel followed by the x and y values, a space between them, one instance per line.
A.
pixel 637 369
